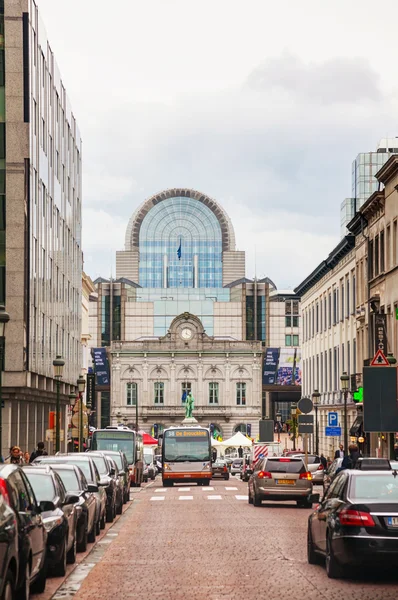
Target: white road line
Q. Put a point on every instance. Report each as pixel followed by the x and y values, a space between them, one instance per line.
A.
pixel 214 497
pixel 231 489
pixel 187 489
pixel 157 498
pixel 185 497
pixel 161 490
pixel 241 497
pixel 207 489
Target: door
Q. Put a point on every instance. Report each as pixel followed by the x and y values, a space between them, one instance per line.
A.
pixel 67 509
pixel 329 504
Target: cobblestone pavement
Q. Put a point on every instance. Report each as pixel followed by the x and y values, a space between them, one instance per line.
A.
pixel 194 543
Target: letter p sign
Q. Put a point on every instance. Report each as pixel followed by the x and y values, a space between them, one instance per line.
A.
pixel 332 419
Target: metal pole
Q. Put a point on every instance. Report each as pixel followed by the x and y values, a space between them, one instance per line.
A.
pixel 294 433
pixel 316 431
pixel 57 418
pixel 1 400
pixel 80 422
pixel 306 450
pixel 345 424
pixel 136 413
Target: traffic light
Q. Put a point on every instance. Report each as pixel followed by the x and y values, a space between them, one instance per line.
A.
pixel 358 395
pixel 249 430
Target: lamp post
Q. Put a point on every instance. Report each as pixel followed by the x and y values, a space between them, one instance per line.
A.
pixel 344 380
pixel 279 419
pixel 293 410
pixel 4 318
pixel 316 397
pixel 81 384
pixel 58 364
pixel 72 402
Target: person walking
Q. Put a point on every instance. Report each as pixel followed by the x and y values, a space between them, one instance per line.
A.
pixel 324 462
pixel 240 452
pixel 39 452
pixel 340 452
pixel 15 457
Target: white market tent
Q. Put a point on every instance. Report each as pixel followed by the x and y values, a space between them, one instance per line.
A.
pixel 215 443
pixel 237 440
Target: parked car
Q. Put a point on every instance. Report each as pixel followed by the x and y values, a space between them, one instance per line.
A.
pixel 281 478
pixel 315 467
pixel 229 460
pixel 219 469
pixel 356 523
pixel 123 466
pixel 32 535
pixel 119 486
pixel 59 522
pixel 87 465
pixel 108 481
pixel 75 483
pixel 236 466
pixel 149 467
pixel 330 473
pixel 9 559
pixel 372 464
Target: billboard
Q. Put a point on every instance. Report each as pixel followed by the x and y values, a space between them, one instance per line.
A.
pixel 100 365
pixel 282 366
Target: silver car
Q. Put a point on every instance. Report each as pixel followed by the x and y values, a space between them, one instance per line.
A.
pixel 236 466
pixel 281 478
pixel 315 467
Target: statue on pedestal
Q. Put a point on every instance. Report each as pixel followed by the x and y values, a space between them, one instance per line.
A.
pixel 189 406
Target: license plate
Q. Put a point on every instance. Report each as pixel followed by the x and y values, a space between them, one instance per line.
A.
pixel 284 481
pixel 392 521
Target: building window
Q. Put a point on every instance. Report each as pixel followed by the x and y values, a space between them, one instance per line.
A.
pixel 388 248
pixel 131 394
pixel 382 253
pixel 370 259
pixel 291 321
pixel 329 309
pixel 186 388
pixel 241 394
pixel 213 392
pixel 159 392
pixel 394 243
pixel 354 299
pixel 334 307
pixel 295 340
pixel 347 294
pixel 348 358
pixel 325 325
pixel 317 318
pixel 342 301
pixel 288 340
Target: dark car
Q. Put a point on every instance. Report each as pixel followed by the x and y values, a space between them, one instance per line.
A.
pixel 123 466
pixel 59 522
pixel 75 483
pixel 90 471
pixel 330 473
pixel 356 523
pixel 219 469
pixel 119 485
pixel 32 536
pixel 9 559
pixel 108 481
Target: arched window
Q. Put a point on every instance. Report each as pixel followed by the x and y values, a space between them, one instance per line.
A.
pixel 242 427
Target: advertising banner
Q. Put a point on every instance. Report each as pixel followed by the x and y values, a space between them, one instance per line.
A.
pixel 285 366
pixel 297 368
pixel 90 390
pixel 270 366
pixel 101 365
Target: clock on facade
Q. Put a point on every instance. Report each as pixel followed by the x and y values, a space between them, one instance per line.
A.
pixel 186 333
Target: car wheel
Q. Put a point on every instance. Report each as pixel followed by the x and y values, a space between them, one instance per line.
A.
pixel 119 509
pixel 97 527
pixel 226 478
pixel 333 569
pixel 91 535
pixel 109 514
pixel 82 545
pixel 256 498
pixel 103 521
pixel 39 584
pixel 24 591
pixel 71 556
pixel 59 570
pixel 8 589
pixel 312 557
pixel 126 496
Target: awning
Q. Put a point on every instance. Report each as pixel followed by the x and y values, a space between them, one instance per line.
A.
pixel 149 440
pixel 356 428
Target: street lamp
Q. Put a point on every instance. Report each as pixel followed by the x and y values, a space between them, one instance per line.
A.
pixel 316 397
pixel 293 410
pixel 4 318
pixel 81 384
pixel 344 380
pixel 279 419
pixel 58 364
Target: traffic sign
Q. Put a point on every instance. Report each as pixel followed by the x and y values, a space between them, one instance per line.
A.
pixel 333 419
pixel 379 360
pixel 305 405
pixel 332 431
pixel 306 424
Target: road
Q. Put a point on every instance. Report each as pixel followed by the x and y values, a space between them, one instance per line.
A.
pixel 198 543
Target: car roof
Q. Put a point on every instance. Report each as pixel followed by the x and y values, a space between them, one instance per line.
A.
pixel 46 469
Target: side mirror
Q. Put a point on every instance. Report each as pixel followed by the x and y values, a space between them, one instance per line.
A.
pixel 314 498
pixel 92 487
pixel 112 471
pixel 71 499
pixel 46 506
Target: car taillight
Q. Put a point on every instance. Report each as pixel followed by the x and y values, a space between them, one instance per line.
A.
pixel 356 518
pixel 225 469
pixel 285 460
pixel 320 468
pixel 306 475
pixel 4 491
pixel 264 475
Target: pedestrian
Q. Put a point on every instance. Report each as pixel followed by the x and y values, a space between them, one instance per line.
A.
pixel 350 460
pixel 26 457
pixel 340 452
pixel 214 455
pixel 39 452
pixel 15 455
pixel 240 452
pixel 324 462
pixel 396 452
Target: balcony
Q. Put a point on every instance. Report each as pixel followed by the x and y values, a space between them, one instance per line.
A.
pixel 152 412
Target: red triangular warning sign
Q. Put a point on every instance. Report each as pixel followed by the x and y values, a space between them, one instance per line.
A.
pixel 379 360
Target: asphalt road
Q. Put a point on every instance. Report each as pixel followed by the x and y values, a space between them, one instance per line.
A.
pixel 190 543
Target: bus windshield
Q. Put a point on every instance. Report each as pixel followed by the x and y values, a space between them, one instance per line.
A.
pixel 113 439
pixel 186 445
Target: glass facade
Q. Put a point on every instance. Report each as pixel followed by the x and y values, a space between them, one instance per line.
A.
pixel 180 246
pixel 250 318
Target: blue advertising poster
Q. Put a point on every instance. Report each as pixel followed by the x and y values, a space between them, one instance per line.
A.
pixel 270 366
pixel 285 367
pixel 297 368
pixel 101 365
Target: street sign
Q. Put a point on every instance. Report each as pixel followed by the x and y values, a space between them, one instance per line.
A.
pixel 379 360
pixel 305 424
pixel 308 419
pixel 333 419
pixel 50 435
pixel 332 431
pixel 305 429
pixel 380 332
pixel 305 405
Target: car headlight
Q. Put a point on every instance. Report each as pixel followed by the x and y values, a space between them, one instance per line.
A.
pixel 207 467
pixel 166 467
pixel 51 522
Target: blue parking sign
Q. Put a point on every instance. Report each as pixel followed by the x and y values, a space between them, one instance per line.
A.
pixel 333 419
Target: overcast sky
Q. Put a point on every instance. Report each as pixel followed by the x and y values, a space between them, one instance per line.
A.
pixel 261 105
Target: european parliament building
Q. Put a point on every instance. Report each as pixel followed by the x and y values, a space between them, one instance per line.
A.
pixel 181 316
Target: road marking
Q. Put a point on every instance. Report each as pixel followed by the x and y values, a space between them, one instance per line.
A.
pixel 241 497
pixel 161 490
pixel 154 498
pixel 214 497
pixel 207 489
pixel 231 489
pixel 185 498
pixel 187 489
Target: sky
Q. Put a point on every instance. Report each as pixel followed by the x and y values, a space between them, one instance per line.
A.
pixel 261 105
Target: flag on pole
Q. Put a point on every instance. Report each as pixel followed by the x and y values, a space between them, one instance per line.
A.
pixel 179 251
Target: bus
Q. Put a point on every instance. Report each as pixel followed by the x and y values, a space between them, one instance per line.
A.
pixel 125 440
pixel 186 455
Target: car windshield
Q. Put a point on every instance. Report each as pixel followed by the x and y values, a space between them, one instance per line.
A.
pixel 42 485
pixel 383 488
pixel 83 464
pixel 148 458
pixel 118 460
pixel 285 465
pixel 99 461
pixel 69 479
pixel 312 460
